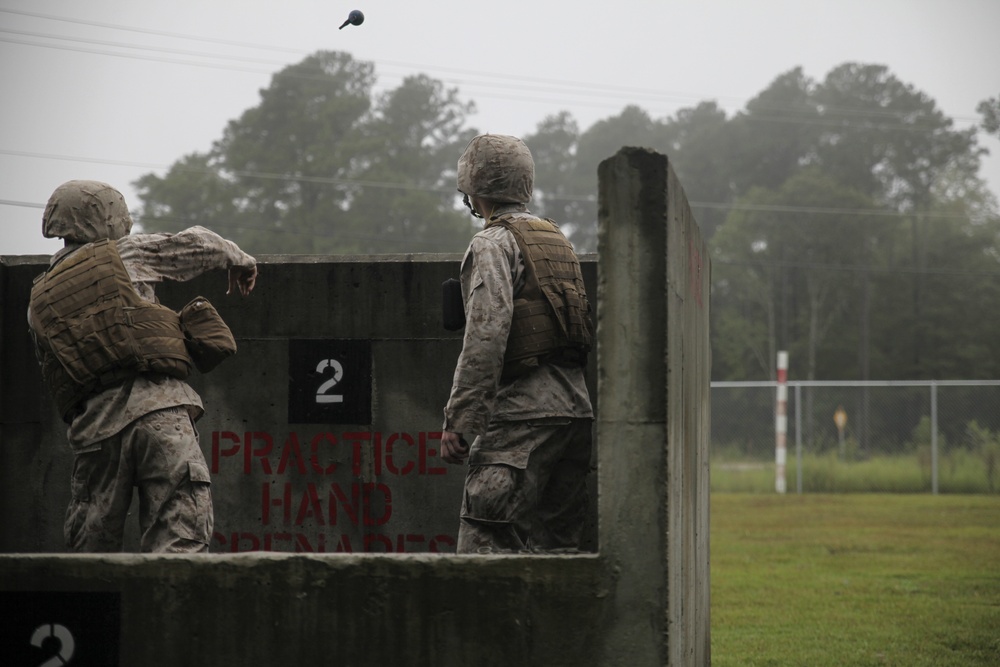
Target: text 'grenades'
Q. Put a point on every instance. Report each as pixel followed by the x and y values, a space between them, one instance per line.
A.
pixel 303 543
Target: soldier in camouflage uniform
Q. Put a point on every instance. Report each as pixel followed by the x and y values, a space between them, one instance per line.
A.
pixel 519 385
pixel 115 362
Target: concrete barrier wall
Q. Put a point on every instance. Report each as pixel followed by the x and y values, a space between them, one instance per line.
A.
pixel 322 434
pixel 261 609
pixel 641 600
pixel 654 372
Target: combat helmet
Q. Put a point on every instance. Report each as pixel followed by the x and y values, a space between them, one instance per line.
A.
pixel 498 167
pixel 86 211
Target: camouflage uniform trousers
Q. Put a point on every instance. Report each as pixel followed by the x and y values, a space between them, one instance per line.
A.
pixel 158 453
pixel 526 488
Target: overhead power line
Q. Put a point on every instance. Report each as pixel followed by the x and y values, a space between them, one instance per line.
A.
pixel 136 47
pixel 361 236
pixel 134 56
pixel 350 182
pixel 487 87
pixel 147 31
pixel 600 96
pixel 603 88
pixel 329 180
pixel 858 268
pixel 826 210
pixel 492 80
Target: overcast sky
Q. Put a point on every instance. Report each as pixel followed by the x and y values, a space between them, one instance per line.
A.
pixel 113 89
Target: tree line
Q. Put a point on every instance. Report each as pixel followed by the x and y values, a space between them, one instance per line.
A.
pixel 846 218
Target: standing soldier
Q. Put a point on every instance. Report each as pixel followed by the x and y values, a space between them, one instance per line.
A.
pixel 115 361
pixel 519 384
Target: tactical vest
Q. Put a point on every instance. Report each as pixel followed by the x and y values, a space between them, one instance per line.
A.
pixel 94 330
pixel 552 317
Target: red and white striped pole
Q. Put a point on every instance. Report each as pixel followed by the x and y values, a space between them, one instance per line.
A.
pixel 781 424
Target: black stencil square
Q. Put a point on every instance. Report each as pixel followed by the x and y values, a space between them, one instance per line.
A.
pixel 76 628
pixel 329 381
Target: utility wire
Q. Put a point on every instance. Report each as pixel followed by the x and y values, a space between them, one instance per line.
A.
pixel 136 47
pixel 360 236
pixel 548 82
pixel 329 180
pixel 856 268
pixel 488 91
pixel 491 89
pixel 351 182
pixel 146 31
pixel 544 85
pixel 585 88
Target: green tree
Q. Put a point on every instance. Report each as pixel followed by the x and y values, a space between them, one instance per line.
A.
pixel 886 139
pixel 961 282
pixel 407 164
pixel 846 217
pixel 194 191
pixel 784 261
pixel 632 127
pixel 776 136
pixel 318 167
pixel 990 111
pixel 699 143
pixel 558 193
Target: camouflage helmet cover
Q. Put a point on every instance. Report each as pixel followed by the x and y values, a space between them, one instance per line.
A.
pixel 497 167
pixel 86 211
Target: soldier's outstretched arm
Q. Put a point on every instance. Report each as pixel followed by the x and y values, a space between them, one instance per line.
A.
pixel 182 256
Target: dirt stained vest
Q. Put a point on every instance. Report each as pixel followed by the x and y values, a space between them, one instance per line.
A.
pixel 94 330
pixel 552 317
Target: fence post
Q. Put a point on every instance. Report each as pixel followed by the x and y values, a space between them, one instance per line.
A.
pixel 798 439
pixel 934 444
pixel 781 424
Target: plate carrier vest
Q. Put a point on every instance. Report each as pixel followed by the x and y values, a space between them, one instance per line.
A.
pixel 94 330
pixel 552 317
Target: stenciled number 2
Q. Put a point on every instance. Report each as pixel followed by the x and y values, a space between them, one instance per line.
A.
pixel 52 633
pixel 322 393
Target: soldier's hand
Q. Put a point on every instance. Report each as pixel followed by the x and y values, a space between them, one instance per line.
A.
pixel 454 448
pixel 242 279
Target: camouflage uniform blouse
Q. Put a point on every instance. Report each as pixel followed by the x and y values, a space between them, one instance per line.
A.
pixel 492 272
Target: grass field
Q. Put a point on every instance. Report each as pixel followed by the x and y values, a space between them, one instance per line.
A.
pixel 843 580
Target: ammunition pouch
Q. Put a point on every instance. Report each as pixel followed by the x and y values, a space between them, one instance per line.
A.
pixel 452 306
pixel 206 336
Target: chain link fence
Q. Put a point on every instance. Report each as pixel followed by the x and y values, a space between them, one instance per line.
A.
pixel 903 437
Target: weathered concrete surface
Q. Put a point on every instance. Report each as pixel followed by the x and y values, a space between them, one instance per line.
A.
pixel 653 413
pixel 269 609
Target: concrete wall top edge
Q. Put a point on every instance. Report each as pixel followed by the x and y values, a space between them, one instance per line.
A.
pixel 521 562
pixel 23 260
pixel 584 574
pixel 354 259
pixel 29 260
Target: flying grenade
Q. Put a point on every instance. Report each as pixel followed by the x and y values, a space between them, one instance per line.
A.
pixel 354 18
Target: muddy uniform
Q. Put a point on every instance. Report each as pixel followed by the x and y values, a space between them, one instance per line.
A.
pixel 140 432
pixel 526 484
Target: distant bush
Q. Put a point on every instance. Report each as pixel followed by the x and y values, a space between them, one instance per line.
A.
pixel 959 471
